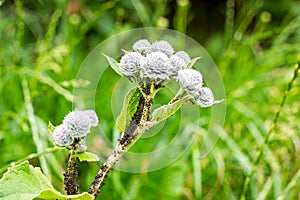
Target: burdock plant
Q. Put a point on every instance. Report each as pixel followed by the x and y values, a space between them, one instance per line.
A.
pixel 70 134
pixel 150 67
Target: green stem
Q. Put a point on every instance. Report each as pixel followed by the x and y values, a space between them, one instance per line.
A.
pixel 71 174
pixel 133 132
pixel 267 136
pixel 30 156
pixel 178 96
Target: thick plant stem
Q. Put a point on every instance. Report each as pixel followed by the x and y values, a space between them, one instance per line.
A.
pixel 71 174
pixel 133 132
pixel 267 136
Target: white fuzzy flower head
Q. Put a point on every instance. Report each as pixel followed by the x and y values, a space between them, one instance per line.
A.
pixel 62 137
pixel 185 56
pixel 205 97
pixel 177 64
pixel 78 123
pixel 190 80
pixel 162 46
pixel 131 63
pixel 157 66
pixel 142 46
pixel 92 116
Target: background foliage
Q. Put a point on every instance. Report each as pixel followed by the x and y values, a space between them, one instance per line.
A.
pixel 255 44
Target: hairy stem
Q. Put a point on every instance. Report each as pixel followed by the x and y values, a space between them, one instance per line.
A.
pixel 71 174
pixel 267 136
pixel 133 132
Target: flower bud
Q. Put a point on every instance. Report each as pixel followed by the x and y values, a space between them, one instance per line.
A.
pixel 190 80
pixel 205 97
pixel 142 46
pixel 177 64
pixel 92 116
pixel 62 136
pixel 131 63
pixel 78 123
pixel 82 148
pixel 157 66
pixel 184 56
pixel 162 46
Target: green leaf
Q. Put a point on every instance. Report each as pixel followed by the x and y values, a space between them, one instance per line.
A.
pixel 134 102
pixel 88 156
pixel 52 194
pixel 130 105
pixel 166 111
pixel 192 62
pixel 26 182
pixel 51 127
pixel 113 63
pixel 23 181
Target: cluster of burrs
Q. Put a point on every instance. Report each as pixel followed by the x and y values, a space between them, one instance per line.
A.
pixel 75 127
pixel 158 63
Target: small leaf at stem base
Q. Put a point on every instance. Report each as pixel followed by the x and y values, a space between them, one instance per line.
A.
pixel 192 62
pixel 130 105
pixel 88 156
pixel 166 111
pixel 51 127
pixel 113 63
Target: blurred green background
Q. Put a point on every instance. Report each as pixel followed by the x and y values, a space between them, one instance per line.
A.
pixel 255 45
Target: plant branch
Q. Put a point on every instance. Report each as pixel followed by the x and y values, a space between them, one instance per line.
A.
pixel 267 136
pixel 71 174
pixel 177 96
pixel 133 132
